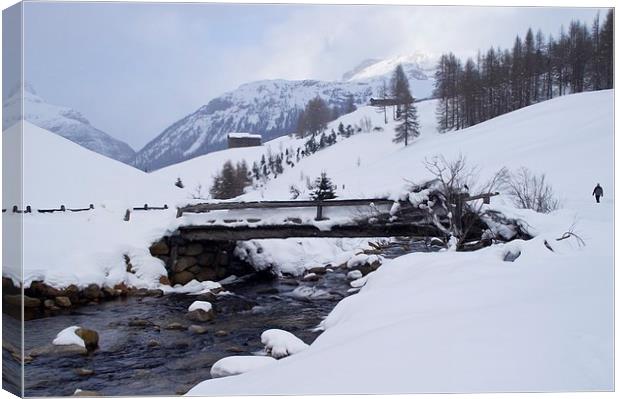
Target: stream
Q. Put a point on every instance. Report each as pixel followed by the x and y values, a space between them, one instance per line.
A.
pixel 139 355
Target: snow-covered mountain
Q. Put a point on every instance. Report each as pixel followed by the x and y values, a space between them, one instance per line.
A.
pixel 271 108
pixel 418 66
pixel 65 122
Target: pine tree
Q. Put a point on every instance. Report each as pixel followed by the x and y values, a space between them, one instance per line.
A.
pixel 341 129
pixel 400 85
pixel 323 188
pixel 409 126
pixel 256 171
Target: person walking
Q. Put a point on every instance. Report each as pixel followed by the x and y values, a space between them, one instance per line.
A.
pixel 598 192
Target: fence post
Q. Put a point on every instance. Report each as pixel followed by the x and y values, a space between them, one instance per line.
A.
pixel 319 210
pixel 127 215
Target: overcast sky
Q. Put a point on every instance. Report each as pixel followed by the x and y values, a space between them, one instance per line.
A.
pixel 134 69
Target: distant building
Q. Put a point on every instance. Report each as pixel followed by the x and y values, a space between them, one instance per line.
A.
pixel 236 140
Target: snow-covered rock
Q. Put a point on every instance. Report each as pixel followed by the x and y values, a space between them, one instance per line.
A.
pixel 200 311
pixel 69 337
pixel 354 275
pixel 234 365
pixel 200 305
pixel 280 343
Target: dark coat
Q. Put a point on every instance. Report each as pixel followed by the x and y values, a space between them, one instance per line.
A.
pixel 598 190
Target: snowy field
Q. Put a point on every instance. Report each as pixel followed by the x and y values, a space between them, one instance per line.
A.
pixel 442 322
pixel 470 322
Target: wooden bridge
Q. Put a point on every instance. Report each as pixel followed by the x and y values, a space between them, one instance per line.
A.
pixel 412 222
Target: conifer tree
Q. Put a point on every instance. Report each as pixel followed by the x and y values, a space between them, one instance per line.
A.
pixel 323 188
pixel 409 126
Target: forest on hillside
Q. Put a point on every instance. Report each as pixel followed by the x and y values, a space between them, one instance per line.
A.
pixel 537 68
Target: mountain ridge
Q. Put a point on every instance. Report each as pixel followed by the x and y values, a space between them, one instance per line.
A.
pixel 271 108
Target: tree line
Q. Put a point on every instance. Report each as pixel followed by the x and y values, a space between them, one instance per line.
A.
pixel 537 68
pixel 315 116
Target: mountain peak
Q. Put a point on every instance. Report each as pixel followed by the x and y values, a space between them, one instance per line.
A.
pixel 418 64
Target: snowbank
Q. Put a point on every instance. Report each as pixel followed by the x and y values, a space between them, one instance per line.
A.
pixel 234 365
pixel 280 343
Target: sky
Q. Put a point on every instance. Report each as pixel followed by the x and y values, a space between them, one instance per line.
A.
pixel 133 69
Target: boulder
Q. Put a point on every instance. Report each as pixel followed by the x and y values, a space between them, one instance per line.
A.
pixel 16 300
pixel 221 333
pixel 152 343
pixel 200 311
pixel 354 275
pixel 175 326
pixel 83 372
pixel 311 277
pixel 317 270
pixel 235 349
pixel 163 280
pixel 63 301
pixel 40 289
pixel 196 329
pixel 206 274
pixel 90 338
pixel 206 259
pixel 58 350
pixel 49 304
pixel 191 249
pixel 80 392
pixel 195 269
pixel 182 277
pixel 109 292
pixel 159 248
pixel 222 258
pixel 92 292
pixel 139 323
pixel 200 315
pixel 183 263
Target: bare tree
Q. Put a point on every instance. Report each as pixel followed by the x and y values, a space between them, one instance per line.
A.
pixel 529 191
pixel 456 179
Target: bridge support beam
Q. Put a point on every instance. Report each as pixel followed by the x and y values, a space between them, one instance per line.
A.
pixel 236 233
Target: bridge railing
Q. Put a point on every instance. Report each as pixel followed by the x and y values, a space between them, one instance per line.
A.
pixel 208 207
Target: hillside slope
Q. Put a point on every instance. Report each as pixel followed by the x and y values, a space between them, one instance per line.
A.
pixel 65 122
pixel 472 322
pixel 65 248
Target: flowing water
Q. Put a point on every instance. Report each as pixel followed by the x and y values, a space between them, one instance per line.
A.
pixel 139 355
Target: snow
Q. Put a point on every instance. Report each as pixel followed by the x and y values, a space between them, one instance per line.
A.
pixel 243 136
pixel 295 255
pixel 471 322
pixel 361 259
pixel 434 322
pixel 68 337
pixel 354 275
pixel 280 343
pixel 200 305
pixel 234 365
pixel 64 248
